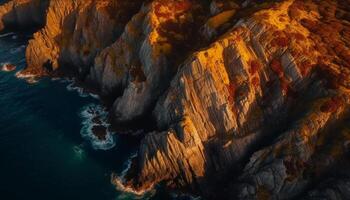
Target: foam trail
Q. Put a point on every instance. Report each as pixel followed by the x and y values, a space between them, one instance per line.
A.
pixel 119 181
pixel 30 78
pixel 82 93
pixel 72 87
pixel 6 34
pixel 89 114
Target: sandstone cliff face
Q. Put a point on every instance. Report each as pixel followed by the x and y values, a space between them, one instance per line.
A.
pixel 226 100
pixel 75 32
pixel 249 98
pixel 144 59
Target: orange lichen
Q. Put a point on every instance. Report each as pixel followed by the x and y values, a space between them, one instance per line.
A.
pixel 276 67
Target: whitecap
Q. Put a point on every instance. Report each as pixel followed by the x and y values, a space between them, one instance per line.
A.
pixel 14 37
pixel 73 87
pixel 89 114
pixel 30 78
pixel 95 96
pixel 21 75
pixel 119 182
pixel 6 34
pixel 55 79
pixel 81 91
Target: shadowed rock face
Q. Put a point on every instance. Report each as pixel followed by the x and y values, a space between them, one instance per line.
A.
pixel 22 14
pixel 250 98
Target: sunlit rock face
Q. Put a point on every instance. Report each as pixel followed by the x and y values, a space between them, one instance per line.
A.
pixel 145 58
pixel 271 80
pixel 75 32
pixel 250 98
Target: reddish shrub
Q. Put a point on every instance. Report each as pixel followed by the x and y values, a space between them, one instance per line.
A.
pixel 309 24
pixel 332 105
pixel 256 82
pixel 305 67
pixel 182 5
pixel 284 85
pixel 276 67
pixel 255 66
pixel 282 41
pixel 298 36
pixel 231 90
pixel 159 13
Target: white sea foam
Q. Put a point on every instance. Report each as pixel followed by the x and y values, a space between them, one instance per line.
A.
pixel 89 113
pixel 55 79
pixel 6 34
pixel 19 74
pixel 82 93
pixel 30 78
pixel 73 87
pixel 119 182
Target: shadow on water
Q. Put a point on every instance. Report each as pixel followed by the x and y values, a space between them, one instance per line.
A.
pixel 43 155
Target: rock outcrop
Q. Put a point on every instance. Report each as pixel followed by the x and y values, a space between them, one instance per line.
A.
pixel 271 71
pixel 75 32
pixel 146 56
pixel 20 14
pixel 251 98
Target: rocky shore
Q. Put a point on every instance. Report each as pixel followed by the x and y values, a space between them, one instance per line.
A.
pixel 250 98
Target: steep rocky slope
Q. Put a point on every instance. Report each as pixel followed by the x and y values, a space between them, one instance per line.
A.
pixel 250 98
pixel 22 13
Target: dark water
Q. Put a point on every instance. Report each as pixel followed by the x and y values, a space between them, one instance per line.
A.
pixel 42 153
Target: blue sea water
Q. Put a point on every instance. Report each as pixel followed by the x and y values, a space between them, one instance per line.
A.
pixel 42 152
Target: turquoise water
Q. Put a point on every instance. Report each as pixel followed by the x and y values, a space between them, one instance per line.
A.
pixel 42 152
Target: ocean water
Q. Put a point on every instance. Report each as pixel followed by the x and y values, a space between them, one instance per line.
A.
pixel 46 150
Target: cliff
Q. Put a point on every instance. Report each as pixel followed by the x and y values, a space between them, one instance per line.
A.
pixel 250 98
pixel 23 14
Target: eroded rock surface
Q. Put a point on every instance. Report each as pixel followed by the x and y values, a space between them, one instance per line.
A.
pixel 22 13
pixel 250 97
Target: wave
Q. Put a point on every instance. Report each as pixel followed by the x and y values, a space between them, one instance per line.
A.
pixel 6 34
pixel 81 91
pixel 30 78
pixel 73 87
pixel 119 182
pixel 95 127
